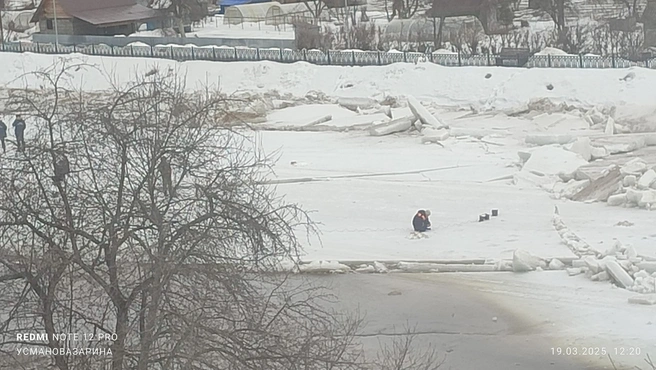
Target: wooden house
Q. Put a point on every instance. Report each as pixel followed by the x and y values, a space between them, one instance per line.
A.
pixel 92 17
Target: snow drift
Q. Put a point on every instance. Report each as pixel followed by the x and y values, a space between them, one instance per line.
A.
pixel 510 88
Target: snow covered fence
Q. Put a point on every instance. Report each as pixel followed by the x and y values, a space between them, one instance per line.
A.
pixel 217 53
pixel 584 61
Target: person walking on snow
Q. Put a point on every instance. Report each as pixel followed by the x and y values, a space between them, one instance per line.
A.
pixel 421 222
pixel 19 130
pixel 3 135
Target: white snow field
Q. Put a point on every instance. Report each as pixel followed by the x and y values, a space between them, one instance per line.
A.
pixel 507 88
pixel 369 217
pixel 363 190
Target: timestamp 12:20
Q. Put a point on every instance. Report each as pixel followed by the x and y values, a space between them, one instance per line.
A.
pixel 595 351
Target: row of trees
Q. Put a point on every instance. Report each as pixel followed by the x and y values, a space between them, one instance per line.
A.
pixel 470 39
pixel 598 40
pixel 603 38
pixel 157 233
pixel 181 11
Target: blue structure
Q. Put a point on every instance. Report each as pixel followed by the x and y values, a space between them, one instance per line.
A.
pixel 226 3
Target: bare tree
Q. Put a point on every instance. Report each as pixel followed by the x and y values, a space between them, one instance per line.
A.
pixel 438 32
pixel 181 11
pixel 402 9
pixel 310 36
pixel 360 35
pixel 650 362
pixel 466 39
pixel 631 7
pixel 556 10
pixel 573 40
pixel 605 41
pixel 403 355
pixel 316 9
pixel 2 29
pixel 148 279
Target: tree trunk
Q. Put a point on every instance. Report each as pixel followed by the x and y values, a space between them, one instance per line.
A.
pixel 389 19
pixel 118 347
pixel 439 34
pixel 2 31
pixel 152 315
pixel 181 27
pixel 561 14
pixel 48 322
pixel 435 32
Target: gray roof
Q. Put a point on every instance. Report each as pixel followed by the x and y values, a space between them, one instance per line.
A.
pixel 116 14
pixel 104 12
pixel 70 5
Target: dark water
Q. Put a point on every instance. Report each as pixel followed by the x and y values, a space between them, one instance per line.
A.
pixel 470 332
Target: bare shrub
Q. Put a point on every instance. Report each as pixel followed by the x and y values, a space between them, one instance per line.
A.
pixel 309 36
pixel 573 40
pixel 628 45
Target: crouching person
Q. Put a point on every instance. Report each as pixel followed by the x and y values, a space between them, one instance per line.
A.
pixel 421 222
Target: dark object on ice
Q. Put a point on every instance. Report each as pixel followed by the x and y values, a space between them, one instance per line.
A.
pixel 481 218
pixel 489 75
pixel 495 212
pixel 513 57
pixel 487 216
pixel 550 87
pixel 421 222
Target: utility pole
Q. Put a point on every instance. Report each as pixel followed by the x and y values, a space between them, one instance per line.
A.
pixel 346 19
pixel 54 11
pixel 2 30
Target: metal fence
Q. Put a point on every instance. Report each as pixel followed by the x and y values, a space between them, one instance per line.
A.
pixel 332 57
pixel 42 38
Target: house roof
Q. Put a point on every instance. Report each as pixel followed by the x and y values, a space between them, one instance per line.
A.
pixel 103 12
pixel 117 14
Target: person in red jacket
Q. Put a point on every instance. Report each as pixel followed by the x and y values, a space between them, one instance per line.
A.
pixel 421 222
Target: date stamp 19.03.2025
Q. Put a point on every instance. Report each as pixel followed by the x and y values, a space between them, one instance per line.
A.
pixel 595 351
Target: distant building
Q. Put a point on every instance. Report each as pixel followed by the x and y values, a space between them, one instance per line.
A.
pixel 92 17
